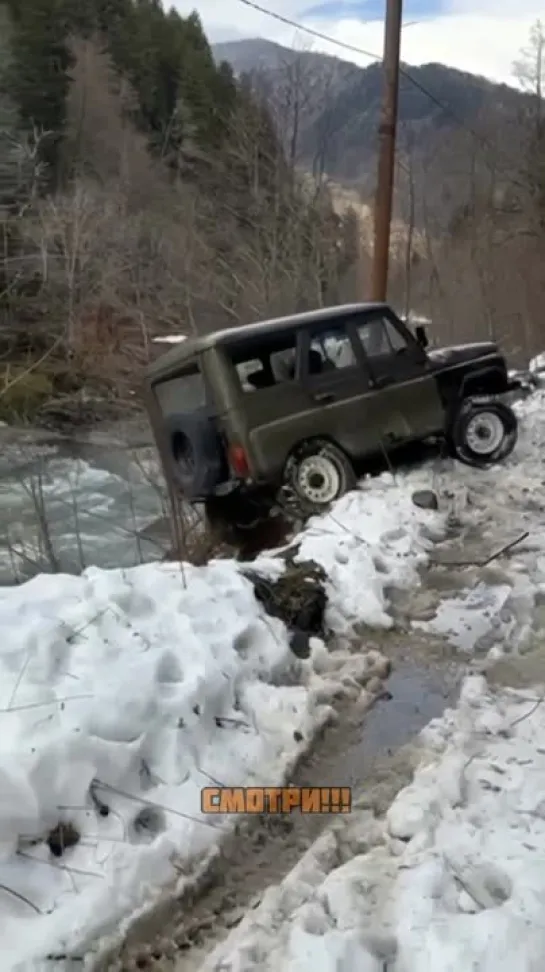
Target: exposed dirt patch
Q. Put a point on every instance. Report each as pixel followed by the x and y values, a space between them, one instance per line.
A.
pixel 518 671
pixel 298 598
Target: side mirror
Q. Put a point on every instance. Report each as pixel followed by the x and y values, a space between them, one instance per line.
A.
pixel 421 335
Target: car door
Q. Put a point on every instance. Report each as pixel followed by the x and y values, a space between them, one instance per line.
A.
pixel 336 379
pixel 407 404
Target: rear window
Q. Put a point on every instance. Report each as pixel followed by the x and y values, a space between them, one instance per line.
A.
pixel 265 365
pixel 185 393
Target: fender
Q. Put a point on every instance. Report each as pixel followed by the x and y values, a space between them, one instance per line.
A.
pixel 459 383
pixel 490 380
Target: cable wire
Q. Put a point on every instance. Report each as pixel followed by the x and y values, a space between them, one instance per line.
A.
pixel 483 142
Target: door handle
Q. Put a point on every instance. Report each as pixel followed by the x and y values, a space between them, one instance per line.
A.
pixel 324 397
pixel 381 382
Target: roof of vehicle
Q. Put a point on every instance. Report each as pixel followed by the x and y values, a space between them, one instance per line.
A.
pixel 186 350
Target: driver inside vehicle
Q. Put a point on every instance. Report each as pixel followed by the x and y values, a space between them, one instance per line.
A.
pixel 374 338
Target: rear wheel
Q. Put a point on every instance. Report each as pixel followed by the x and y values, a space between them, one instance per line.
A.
pixel 317 475
pixel 483 432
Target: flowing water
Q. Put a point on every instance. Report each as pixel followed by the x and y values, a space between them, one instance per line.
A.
pixel 69 505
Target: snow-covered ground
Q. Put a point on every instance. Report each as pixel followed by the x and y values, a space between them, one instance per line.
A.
pixel 170 339
pixel 373 539
pixel 125 692
pixel 453 879
pixel 503 610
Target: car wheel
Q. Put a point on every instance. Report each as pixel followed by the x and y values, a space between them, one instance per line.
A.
pixel 483 433
pixel 318 474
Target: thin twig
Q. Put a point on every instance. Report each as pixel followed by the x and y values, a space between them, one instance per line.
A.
pixel 484 563
pixel 526 715
pixel 38 705
pixel 22 898
pixel 505 549
pixel 155 806
pixel 19 679
pixel 59 867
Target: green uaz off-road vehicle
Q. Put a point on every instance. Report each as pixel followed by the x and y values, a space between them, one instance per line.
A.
pixel 297 403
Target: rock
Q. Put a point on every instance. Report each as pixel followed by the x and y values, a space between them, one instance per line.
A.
pixel 63 836
pixel 300 644
pixel 426 499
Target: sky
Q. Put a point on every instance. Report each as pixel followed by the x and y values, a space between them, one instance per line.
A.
pixel 480 36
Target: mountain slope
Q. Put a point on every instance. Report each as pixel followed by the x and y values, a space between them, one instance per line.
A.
pixel 337 104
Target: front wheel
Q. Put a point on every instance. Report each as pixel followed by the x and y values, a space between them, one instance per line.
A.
pixel 483 433
pixel 317 475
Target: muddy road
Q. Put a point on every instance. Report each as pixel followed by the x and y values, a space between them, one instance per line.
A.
pixel 367 749
pixel 473 596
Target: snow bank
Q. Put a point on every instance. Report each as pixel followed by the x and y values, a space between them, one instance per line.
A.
pixel 374 538
pixel 142 687
pixel 453 879
pixel 125 692
pixel 499 610
pixel 537 363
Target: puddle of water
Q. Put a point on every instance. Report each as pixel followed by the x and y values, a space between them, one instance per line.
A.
pixel 415 695
pixel 469 619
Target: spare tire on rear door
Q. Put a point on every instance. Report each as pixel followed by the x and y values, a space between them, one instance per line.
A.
pixel 197 453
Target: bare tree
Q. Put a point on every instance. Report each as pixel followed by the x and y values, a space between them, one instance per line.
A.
pixel 529 67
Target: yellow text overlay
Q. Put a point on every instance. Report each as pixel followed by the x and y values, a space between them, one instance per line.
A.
pixel 276 799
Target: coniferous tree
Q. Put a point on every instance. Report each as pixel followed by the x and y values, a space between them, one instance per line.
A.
pixel 38 73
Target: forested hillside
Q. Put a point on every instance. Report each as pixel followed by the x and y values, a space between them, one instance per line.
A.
pixel 146 187
pixel 469 240
pixel 336 105
pixel 142 189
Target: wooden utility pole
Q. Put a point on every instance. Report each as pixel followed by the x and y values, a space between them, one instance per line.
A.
pixel 386 150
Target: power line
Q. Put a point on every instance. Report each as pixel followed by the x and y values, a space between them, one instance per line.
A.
pixel 287 21
pixel 316 33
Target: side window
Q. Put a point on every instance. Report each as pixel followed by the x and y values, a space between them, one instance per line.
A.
pixel 246 370
pixel 379 338
pixel 283 364
pixel 331 351
pixel 264 367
